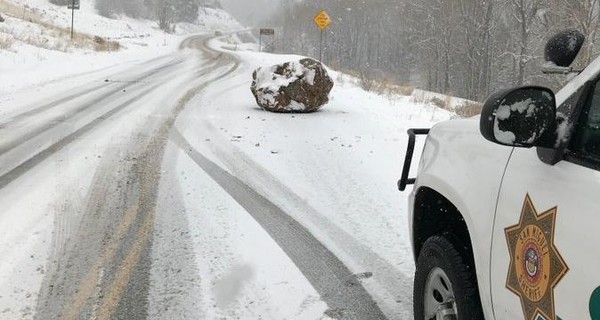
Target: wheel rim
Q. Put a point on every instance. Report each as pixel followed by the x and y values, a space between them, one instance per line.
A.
pixel 440 303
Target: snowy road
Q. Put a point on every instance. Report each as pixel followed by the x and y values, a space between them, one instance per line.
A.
pixel 122 200
pixel 100 259
pixel 337 286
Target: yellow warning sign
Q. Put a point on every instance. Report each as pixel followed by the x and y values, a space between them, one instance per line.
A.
pixel 322 20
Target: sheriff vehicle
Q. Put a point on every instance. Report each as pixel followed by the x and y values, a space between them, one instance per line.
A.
pixel 505 210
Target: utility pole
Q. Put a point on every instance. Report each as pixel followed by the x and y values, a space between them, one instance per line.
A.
pixel 321 47
pixel 72 18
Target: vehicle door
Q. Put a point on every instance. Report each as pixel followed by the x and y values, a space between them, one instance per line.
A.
pixel 546 243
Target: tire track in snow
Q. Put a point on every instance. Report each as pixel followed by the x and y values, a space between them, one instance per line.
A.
pixel 37 110
pixel 131 287
pixel 21 169
pixel 327 274
pixel 13 173
pixel 389 285
pixel 71 113
pixel 110 277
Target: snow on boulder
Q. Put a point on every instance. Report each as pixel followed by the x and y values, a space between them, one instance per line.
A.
pixel 293 87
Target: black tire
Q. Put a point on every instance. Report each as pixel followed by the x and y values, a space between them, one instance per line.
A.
pixel 439 252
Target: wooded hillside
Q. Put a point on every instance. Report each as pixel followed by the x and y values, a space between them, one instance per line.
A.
pixel 466 48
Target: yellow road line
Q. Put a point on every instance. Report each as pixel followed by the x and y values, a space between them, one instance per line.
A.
pixel 90 282
pixel 111 300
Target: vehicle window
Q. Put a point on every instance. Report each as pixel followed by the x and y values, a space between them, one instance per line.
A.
pixel 587 139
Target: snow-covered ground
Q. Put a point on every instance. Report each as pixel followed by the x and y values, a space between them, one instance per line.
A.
pixel 41 51
pixel 334 172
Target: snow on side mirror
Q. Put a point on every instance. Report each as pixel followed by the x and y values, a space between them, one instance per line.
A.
pixel 521 117
pixel 562 49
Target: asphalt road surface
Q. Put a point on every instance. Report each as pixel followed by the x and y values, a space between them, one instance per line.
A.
pixel 100 262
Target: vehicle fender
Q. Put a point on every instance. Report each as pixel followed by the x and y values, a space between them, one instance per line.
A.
pixel 466 169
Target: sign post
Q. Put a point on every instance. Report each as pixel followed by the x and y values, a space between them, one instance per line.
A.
pixel 264 32
pixel 323 21
pixel 75 5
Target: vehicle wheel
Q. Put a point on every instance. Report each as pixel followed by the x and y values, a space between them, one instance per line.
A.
pixel 445 285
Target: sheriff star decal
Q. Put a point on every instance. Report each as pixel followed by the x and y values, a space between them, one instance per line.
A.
pixel 536 266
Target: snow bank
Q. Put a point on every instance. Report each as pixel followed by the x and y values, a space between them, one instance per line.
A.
pixel 440 100
pixel 35 45
pixel 218 20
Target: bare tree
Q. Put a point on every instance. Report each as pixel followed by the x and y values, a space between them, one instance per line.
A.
pixel 465 48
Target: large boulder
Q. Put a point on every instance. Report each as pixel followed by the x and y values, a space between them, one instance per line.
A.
pixel 293 87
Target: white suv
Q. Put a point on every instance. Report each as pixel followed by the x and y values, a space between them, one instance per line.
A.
pixel 505 211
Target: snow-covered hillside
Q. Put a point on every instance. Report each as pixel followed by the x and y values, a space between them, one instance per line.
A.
pixel 35 44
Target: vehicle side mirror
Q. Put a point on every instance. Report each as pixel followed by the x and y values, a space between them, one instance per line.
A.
pixel 520 117
pixel 563 48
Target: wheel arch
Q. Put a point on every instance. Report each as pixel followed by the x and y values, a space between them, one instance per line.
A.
pixel 435 215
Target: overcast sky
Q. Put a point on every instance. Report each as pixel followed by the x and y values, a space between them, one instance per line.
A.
pixel 250 12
